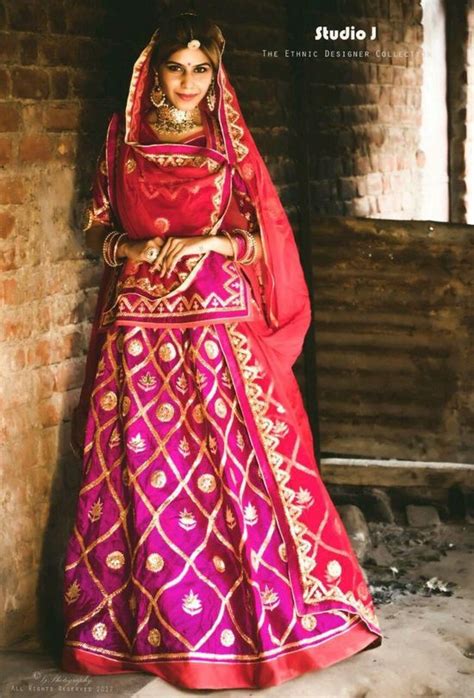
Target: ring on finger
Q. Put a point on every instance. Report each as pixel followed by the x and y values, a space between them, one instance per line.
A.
pixel 152 254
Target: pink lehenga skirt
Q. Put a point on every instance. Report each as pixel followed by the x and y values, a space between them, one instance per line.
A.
pixel 176 565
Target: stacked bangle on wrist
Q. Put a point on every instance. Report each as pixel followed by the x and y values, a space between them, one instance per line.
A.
pixel 110 248
pixel 250 253
pixel 243 245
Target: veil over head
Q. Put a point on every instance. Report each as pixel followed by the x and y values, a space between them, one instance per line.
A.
pixel 284 293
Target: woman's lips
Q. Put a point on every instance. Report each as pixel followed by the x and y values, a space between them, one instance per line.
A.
pixel 186 97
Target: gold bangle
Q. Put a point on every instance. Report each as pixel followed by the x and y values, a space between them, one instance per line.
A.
pixel 249 258
pixel 229 236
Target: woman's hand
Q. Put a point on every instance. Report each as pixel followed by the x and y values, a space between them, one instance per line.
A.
pixel 175 248
pixel 138 250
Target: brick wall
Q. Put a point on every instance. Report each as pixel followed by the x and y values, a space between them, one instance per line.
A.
pixel 394 336
pixel 366 111
pixel 64 67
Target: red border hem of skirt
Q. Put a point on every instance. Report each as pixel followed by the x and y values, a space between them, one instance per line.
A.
pixel 208 675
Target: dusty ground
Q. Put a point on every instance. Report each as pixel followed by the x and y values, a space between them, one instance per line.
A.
pixel 423 585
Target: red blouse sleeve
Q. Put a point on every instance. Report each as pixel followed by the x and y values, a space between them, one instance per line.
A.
pixel 98 209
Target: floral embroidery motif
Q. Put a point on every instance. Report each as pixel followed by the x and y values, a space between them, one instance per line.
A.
pixel 333 570
pixel 154 637
pixel 221 409
pixel 198 414
pixel 167 352
pixel 240 440
pixel 309 622
pixel 250 515
pixel 230 518
pixel 135 347
pixel 212 441
pixel 158 479
pixel 99 631
pixel 270 598
pixel 282 552
pixel 184 447
pixel 108 401
pixel 162 225
pixel 73 593
pixel 114 438
pixel 187 520
pixel 115 560
pixel 165 412
pixel 227 637
pixel 125 405
pixel 154 562
pixel 192 603
pixel 207 483
pixel 147 382
pixel 304 498
pixel 95 512
pixel 211 348
pixel 219 563
pixel 136 444
pixel 182 383
pixel 130 165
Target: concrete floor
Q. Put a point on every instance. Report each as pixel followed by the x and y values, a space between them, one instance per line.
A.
pixel 428 650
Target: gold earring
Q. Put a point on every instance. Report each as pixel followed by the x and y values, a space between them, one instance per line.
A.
pixel 211 96
pixel 157 96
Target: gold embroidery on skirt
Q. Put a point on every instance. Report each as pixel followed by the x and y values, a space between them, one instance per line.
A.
pixel 158 479
pixel 95 512
pixel 192 603
pixel 154 562
pixel 165 412
pixel 167 351
pixel 73 593
pixel 154 637
pixel 99 631
pixel 135 347
pixel 207 483
pixel 187 520
pixel 115 560
pixel 219 563
pixel 108 401
pixel 227 637
pixel 309 622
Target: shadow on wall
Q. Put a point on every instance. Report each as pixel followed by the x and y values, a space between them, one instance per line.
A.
pixel 98 74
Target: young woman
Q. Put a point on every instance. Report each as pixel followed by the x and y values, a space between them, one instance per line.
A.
pixel 206 549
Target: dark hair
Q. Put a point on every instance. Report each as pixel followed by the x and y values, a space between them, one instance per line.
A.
pixel 175 32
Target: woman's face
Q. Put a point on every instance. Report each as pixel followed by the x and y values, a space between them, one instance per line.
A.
pixel 185 77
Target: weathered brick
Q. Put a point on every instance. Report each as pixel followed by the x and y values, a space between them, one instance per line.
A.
pixel 5 83
pixel 9 117
pixel 35 148
pixel 27 15
pixel 7 224
pixel 61 117
pixel 29 49
pixel 59 83
pixel 30 83
pixel 6 150
pixel 12 190
pixel 9 47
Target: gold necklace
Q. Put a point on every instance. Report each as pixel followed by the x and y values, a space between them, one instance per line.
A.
pixel 171 120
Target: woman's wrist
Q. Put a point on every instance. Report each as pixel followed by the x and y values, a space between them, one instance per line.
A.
pixel 220 243
pixel 123 248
